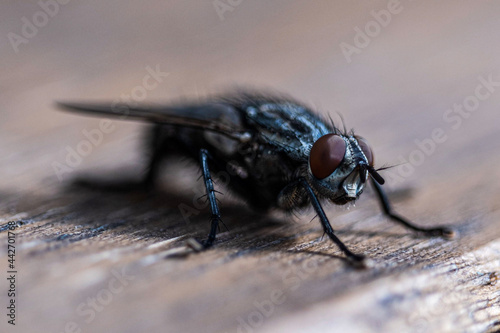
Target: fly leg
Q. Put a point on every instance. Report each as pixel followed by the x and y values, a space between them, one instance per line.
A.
pixel 326 224
pixel 214 208
pixel 158 144
pixel 386 206
pixel 153 169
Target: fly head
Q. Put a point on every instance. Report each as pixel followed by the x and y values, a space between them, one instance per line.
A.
pixel 340 165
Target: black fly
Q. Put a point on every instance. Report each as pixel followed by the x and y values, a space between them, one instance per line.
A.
pixel 281 154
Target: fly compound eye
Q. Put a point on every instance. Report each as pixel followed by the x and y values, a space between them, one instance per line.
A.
pixel 326 155
pixel 365 147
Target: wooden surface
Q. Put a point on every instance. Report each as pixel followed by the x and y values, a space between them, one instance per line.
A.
pixel 270 273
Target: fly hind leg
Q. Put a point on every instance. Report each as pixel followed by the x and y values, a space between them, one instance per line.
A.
pixel 160 144
pixel 214 208
pixel 153 169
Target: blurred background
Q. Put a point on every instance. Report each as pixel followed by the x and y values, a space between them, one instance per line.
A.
pixel 394 69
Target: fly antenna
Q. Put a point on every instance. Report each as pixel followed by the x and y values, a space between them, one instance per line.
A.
pixel 378 178
pixel 362 169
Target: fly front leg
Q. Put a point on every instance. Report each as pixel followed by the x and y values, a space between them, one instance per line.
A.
pixel 326 224
pixel 214 208
pixel 386 207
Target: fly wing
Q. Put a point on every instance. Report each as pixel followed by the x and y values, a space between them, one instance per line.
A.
pixel 217 117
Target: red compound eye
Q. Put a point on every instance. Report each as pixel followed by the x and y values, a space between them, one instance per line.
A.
pixel 365 147
pixel 326 155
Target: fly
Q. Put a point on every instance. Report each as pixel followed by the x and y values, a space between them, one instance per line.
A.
pixel 286 156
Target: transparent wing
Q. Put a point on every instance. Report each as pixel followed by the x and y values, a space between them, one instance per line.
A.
pixel 217 117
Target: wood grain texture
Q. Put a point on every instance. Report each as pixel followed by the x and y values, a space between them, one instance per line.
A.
pixel 106 260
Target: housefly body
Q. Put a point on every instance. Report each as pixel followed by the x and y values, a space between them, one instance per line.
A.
pixel 281 154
